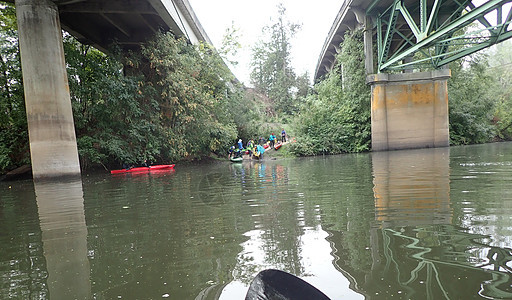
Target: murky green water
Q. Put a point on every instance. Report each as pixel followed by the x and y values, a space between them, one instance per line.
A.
pixel 422 224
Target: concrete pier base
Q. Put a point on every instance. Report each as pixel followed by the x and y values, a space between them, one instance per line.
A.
pixel 53 146
pixel 409 110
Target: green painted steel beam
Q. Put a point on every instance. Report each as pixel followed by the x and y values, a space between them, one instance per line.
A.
pixel 423 15
pixel 463 53
pixel 430 33
pixel 371 7
pixel 433 14
pixel 409 20
pixel 386 43
pixel 482 19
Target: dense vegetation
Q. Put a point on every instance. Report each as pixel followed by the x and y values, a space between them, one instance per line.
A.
pixel 336 117
pixel 178 102
pixel 171 101
pixel 480 95
pixel 14 148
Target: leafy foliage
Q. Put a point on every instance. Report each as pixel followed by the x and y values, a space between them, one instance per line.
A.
pixel 470 102
pixel 230 45
pixel 336 118
pixel 14 148
pixel 271 70
pixel 170 101
pixel 190 85
pixel 500 71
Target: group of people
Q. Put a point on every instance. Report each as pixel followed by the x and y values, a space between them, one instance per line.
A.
pixel 272 138
pixel 254 150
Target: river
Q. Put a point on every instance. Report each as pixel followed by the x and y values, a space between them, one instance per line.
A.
pixel 415 224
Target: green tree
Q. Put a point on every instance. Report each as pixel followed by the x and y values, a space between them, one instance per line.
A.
pixel 336 118
pixel 230 45
pixel 168 102
pixel 500 70
pixel 192 86
pixel 14 146
pixel 113 120
pixel 271 70
pixel 471 106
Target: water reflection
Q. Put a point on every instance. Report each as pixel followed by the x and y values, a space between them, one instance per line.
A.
pixel 172 236
pixel 22 264
pixel 412 187
pixel 64 237
pixel 314 260
pixel 415 249
pixel 286 233
pixel 409 224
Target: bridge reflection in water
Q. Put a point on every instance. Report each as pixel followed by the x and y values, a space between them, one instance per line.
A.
pixel 412 187
pixel 415 249
pixel 64 236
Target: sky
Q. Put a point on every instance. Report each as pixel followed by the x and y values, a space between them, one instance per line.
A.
pixel 251 16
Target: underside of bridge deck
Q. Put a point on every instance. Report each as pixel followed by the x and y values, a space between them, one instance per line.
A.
pixel 128 23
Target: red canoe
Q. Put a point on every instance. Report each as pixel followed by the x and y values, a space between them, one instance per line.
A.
pixel 143 169
pixel 278 146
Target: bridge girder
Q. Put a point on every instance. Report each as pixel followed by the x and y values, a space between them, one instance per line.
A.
pixel 412 34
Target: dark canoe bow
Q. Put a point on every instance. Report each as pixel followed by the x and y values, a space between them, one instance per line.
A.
pixel 278 285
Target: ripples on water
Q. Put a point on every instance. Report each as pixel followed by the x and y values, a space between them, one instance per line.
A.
pixel 421 224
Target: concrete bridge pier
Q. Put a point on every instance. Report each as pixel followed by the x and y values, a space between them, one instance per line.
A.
pixel 409 110
pixel 51 128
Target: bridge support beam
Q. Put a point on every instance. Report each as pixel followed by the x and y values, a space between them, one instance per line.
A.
pixel 51 128
pixel 409 110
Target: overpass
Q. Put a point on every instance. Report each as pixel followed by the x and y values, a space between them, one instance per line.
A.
pixel 99 23
pixel 410 109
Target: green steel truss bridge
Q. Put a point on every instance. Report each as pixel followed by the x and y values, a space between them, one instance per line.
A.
pixel 416 34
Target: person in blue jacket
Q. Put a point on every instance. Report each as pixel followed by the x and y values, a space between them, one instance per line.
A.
pixel 240 145
pixel 272 139
pixel 258 152
pixel 231 151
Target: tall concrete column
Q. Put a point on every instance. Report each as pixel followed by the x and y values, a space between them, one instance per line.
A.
pixel 368 45
pixel 51 128
pixel 409 110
